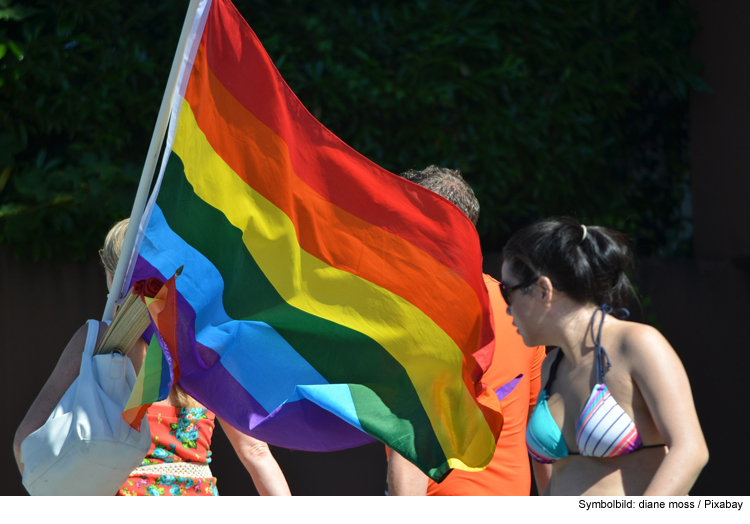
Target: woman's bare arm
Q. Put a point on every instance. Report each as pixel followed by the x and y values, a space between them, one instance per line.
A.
pixel 404 478
pixel 542 474
pixel 661 378
pixel 62 377
pixel 259 462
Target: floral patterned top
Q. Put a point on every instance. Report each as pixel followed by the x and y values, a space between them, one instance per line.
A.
pixel 178 435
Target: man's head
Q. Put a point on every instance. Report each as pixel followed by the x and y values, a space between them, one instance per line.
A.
pixel 449 184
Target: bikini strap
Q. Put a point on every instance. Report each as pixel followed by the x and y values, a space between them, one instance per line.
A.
pixel 553 370
pixel 601 353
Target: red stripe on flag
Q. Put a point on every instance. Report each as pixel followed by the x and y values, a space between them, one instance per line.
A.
pixel 363 189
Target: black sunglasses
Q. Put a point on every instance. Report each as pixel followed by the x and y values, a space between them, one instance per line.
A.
pixel 505 291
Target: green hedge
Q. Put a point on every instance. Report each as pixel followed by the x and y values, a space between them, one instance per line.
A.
pixel 549 108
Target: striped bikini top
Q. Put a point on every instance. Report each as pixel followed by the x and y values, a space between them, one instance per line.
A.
pixel 602 430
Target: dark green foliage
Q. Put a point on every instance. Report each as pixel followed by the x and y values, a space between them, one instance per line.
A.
pixel 78 104
pixel 549 108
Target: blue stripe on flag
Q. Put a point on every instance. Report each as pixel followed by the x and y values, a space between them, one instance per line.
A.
pixel 256 362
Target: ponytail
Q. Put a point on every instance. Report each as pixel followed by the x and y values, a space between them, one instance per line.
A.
pixel 587 263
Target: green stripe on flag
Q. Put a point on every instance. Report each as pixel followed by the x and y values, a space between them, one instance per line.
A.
pixel 386 401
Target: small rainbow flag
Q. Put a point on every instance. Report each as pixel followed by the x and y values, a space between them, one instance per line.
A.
pixel 161 368
pixel 325 302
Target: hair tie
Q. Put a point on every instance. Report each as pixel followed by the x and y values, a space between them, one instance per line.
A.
pixel 585 231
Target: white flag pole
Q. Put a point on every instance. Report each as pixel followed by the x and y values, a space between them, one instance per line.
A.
pixel 147 175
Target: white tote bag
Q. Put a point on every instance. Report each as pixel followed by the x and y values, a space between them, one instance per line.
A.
pixel 85 447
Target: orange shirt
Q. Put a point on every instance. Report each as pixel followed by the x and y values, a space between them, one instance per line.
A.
pixel 509 472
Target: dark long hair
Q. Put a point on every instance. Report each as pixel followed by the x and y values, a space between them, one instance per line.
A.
pixel 589 264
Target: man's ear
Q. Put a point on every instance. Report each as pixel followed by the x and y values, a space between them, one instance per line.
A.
pixel 548 290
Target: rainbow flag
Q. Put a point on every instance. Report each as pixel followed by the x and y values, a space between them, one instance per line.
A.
pixel 161 368
pixel 325 302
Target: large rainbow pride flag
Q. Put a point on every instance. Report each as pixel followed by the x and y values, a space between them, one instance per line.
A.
pixel 324 302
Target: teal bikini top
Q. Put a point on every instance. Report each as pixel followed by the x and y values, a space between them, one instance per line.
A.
pixel 603 428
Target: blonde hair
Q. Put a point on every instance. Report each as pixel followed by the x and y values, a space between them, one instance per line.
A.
pixel 182 399
pixel 110 254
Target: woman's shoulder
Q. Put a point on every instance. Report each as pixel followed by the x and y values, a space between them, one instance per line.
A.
pixel 102 327
pixel 641 343
pixel 653 363
pixel 637 335
pixel 78 341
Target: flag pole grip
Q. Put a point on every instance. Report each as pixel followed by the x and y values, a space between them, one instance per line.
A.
pixel 157 139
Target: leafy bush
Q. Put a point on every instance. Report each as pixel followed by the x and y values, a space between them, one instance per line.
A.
pixel 549 108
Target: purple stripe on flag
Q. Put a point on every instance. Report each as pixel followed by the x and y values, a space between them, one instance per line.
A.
pixel 312 428
pixel 201 366
pixel 207 380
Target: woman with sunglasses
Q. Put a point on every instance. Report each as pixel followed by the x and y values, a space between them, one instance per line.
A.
pixel 616 413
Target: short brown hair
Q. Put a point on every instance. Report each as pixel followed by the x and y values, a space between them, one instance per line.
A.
pixel 449 184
